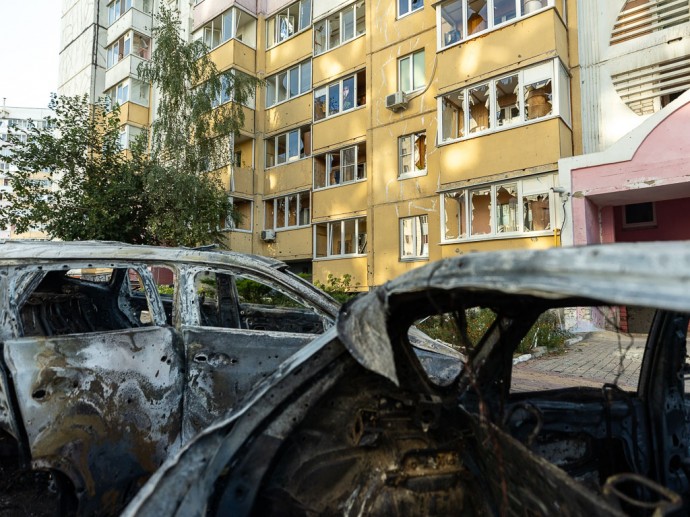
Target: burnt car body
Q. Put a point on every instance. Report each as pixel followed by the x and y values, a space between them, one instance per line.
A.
pixel 113 356
pixel 352 425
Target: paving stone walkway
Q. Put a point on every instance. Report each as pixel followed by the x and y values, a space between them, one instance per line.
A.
pixel 599 358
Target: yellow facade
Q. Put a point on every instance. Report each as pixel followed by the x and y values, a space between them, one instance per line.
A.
pixel 375 208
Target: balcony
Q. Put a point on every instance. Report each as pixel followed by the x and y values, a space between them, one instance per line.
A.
pixel 126 67
pixel 132 19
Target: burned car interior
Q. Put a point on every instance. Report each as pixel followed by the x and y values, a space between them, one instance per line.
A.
pixel 353 425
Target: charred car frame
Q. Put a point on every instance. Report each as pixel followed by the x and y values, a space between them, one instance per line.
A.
pixel 351 424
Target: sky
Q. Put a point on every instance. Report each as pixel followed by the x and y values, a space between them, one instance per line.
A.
pixel 29 47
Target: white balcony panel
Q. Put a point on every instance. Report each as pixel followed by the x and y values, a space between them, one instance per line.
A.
pixel 132 19
pixel 127 67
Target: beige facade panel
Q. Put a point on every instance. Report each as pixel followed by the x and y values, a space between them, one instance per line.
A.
pixel 241 180
pixel 339 202
pixel 234 54
pixel 387 30
pixel 289 245
pixel 528 41
pixel 356 267
pixel 520 148
pixel 289 52
pixel 296 111
pixel 239 241
pixel 131 113
pixel 287 178
pixel 347 58
pixel 132 19
pixel 541 242
pixel 340 129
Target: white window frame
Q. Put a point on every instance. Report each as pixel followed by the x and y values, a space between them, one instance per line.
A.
pixel 299 218
pixel 300 24
pixel 117 9
pixel 642 224
pixel 288 158
pixel 359 236
pixel 459 34
pixel 419 226
pixel 551 71
pixel 324 26
pixel 227 30
pixel 357 177
pixel 541 185
pixel 327 89
pixel 302 88
pixel 409 69
pixel 410 7
pixel 413 172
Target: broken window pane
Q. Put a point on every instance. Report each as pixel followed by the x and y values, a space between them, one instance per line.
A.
pixel 537 91
pixel 536 212
pixel 480 115
pixel 506 208
pixel 507 109
pixel 454 209
pixel 480 217
pixel 477 16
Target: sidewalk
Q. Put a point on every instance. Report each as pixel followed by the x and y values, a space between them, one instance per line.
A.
pixel 599 358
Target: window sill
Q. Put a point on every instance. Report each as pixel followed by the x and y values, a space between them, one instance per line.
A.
pixel 414 259
pixel 289 38
pixel 288 100
pixel 237 230
pixel 288 228
pixel 411 175
pixel 344 184
pixel 336 257
pixel 401 16
pixel 339 45
pixel 506 127
pixel 289 162
pixel 500 236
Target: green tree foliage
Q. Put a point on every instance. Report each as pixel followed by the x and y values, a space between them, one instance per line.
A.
pixel 92 192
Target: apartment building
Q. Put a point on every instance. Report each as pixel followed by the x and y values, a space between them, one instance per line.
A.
pixel 16 120
pixel 388 134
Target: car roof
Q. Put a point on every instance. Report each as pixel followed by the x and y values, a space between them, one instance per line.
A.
pixel 34 251
pixel 643 274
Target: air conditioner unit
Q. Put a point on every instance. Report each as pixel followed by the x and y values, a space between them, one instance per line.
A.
pixel 268 235
pixel 396 101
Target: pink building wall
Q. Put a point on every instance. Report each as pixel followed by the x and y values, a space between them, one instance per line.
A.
pixel 659 171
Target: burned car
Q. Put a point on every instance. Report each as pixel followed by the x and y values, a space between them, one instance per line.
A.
pixel 114 355
pixel 352 424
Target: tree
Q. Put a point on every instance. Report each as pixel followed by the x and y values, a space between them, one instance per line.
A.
pixel 189 138
pixel 73 180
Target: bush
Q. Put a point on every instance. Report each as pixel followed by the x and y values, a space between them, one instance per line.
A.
pixel 547 331
pixel 338 288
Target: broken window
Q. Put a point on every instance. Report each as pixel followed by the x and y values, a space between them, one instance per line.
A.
pixel 241 219
pixel 523 205
pixel 414 237
pixel 412 154
pixel 506 101
pixel 340 167
pixel 340 96
pixel 339 28
pixel 287 22
pixel 289 146
pixel 289 211
pixel 340 238
pixel 288 84
pixel 639 215
pixel 409 6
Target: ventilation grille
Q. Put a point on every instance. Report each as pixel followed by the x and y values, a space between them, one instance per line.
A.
pixel 649 89
pixel 641 17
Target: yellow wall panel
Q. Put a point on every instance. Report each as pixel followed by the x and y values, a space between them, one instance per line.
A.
pixel 340 61
pixel 288 178
pixel 339 202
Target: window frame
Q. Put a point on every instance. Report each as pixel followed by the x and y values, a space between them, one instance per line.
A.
pixel 301 90
pixel 526 187
pixel 420 224
pixel 461 34
pixel 357 177
pixel 285 13
pixel 299 212
pixel 554 75
pixel 641 224
pixel 410 7
pixel 341 101
pixel 410 72
pixel 276 144
pixel 341 223
pixel 326 24
pixel 234 13
pixel 415 136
